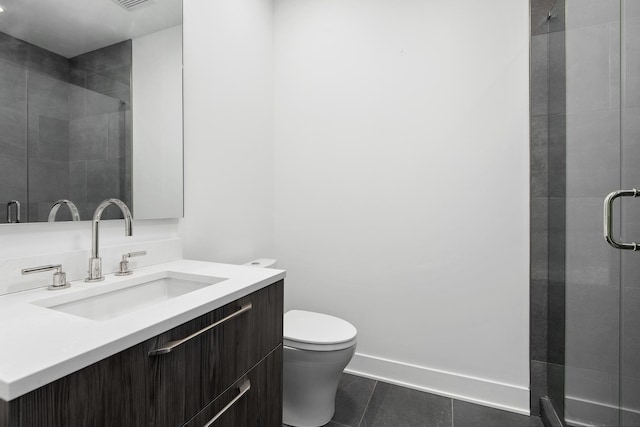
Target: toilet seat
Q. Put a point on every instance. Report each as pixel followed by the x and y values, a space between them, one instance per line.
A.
pixel 307 330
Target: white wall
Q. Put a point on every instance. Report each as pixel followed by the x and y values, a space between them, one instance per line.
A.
pixel 157 124
pixel 401 191
pixel 401 175
pixel 228 102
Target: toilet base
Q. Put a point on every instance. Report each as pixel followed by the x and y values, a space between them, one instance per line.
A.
pixel 310 383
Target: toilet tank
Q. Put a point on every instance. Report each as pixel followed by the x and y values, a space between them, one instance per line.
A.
pixel 263 262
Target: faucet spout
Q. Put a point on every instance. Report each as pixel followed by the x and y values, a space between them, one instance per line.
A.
pixel 95 262
pixel 75 215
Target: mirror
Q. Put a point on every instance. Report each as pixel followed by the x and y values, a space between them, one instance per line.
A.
pixel 90 108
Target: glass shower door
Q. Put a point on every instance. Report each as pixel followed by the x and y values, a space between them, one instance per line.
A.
pixel 602 299
pixel 629 389
pixel 593 169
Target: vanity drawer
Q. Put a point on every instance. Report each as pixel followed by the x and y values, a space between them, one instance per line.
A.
pixel 185 380
pixel 254 400
pixel 109 393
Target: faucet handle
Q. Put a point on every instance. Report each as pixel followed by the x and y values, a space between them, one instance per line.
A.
pixel 124 264
pixel 59 277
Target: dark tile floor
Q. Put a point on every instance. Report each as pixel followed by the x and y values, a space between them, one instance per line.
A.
pixel 362 402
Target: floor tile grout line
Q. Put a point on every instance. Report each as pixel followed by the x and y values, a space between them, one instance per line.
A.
pixel 367 405
pixel 453 421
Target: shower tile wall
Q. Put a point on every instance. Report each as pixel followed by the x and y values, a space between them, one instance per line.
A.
pixel 13 146
pixel 66 128
pixel 17 59
pixel 32 57
pixel 99 146
pixel 48 142
pixel 548 170
pixel 106 71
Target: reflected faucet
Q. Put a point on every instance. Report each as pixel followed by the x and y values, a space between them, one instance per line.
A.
pixel 75 215
pixel 17 205
pixel 95 262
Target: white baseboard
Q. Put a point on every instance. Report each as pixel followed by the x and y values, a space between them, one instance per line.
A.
pixel 461 387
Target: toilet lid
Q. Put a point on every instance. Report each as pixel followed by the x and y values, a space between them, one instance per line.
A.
pixel 309 330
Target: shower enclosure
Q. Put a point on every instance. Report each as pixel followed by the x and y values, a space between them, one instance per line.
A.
pixel 65 129
pixel 585 139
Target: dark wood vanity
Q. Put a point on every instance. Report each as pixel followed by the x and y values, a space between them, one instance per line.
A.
pixel 232 371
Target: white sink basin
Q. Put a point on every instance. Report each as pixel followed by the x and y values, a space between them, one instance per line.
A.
pixel 123 297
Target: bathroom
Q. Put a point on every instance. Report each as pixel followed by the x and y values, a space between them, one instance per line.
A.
pixel 431 172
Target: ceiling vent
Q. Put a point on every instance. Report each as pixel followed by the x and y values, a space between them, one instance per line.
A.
pixel 131 4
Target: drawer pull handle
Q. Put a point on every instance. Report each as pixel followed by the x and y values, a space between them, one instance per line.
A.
pixel 243 389
pixel 168 347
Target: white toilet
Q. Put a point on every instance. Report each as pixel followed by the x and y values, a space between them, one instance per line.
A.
pixel 317 348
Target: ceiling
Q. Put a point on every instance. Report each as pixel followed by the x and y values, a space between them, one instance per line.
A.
pixel 73 27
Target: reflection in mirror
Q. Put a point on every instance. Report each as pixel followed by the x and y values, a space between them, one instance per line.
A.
pixel 16 216
pixel 66 107
pixel 75 215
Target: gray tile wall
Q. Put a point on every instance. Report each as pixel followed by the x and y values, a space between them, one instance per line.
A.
pixel 13 138
pixel 106 71
pixel 99 129
pixel 97 152
pixel 34 58
pixel 63 140
pixel 48 140
pixel 548 199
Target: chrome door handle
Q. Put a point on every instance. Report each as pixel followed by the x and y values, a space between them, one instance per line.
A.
pixel 243 389
pixel 608 219
pixel 168 347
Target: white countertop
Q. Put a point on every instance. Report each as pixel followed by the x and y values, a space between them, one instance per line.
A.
pixel 39 345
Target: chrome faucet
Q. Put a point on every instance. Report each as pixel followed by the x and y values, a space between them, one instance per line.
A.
pixel 75 215
pixel 95 262
pixel 17 206
pixel 59 277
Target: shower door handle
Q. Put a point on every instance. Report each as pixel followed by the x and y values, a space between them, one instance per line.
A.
pixel 608 219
